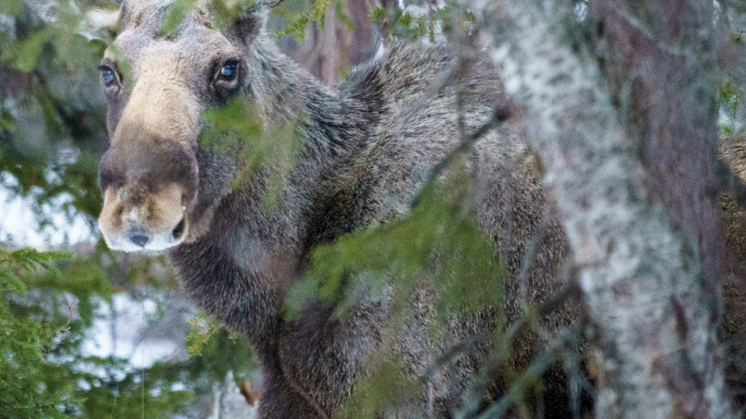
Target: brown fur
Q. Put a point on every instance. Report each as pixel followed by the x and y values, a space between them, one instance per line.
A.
pixel 733 230
pixel 251 395
pixel 370 143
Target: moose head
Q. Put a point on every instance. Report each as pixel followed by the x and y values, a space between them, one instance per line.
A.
pixel 157 85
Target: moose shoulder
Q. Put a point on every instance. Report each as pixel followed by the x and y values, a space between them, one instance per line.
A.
pixel 369 145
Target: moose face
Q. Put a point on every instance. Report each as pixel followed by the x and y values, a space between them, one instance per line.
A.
pixel 157 86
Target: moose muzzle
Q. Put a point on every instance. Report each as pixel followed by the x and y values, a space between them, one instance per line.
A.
pixel 146 202
pixel 149 175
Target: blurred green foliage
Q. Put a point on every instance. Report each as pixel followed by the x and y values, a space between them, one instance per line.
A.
pixel 298 24
pixel 203 329
pixel 47 307
pixel 35 332
pixel 440 239
pixel 729 99
pixel 408 25
pixel 235 128
pixel 50 102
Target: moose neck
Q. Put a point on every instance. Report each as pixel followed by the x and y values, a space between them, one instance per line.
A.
pixel 335 125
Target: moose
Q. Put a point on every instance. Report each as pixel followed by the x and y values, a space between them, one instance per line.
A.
pixel 369 146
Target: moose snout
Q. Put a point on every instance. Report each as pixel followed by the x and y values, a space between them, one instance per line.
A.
pixel 148 193
pixel 138 236
pixel 133 235
pixel 156 220
pixel 141 237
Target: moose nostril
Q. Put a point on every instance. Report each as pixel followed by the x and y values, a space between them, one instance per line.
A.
pixel 178 230
pixel 140 239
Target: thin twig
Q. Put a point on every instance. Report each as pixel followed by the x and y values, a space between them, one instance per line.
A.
pixel 571 291
pixel 70 314
pixel 500 115
pixel 116 394
pixel 298 389
pixel 490 370
pixel 528 258
pixel 534 371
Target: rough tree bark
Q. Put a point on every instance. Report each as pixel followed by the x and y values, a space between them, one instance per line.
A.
pixel 630 160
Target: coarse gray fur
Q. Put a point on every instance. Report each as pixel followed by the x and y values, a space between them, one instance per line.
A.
pixel 370 143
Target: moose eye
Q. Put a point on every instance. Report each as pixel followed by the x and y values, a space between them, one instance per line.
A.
pixel 229 70
pixel 107 74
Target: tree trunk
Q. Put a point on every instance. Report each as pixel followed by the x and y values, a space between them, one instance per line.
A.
pixel 630 161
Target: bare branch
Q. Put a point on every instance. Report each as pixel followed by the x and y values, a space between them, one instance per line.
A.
pixel 501 115
pixel 540 365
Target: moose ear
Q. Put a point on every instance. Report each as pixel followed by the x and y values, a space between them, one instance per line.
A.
pixel 251 24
